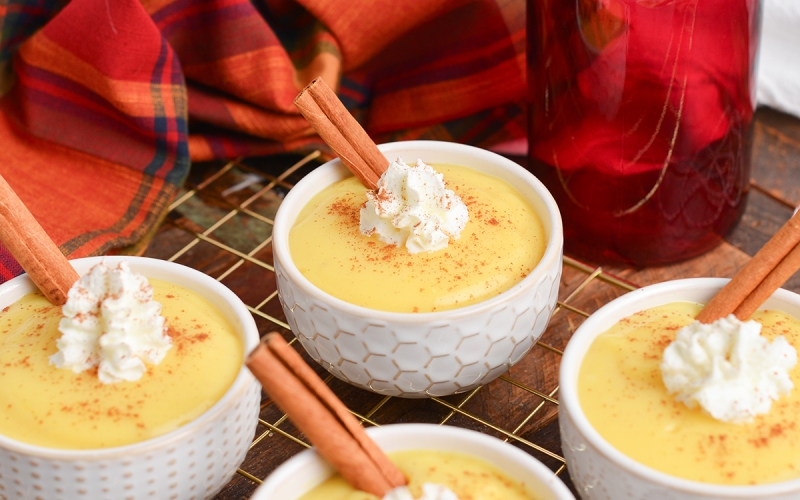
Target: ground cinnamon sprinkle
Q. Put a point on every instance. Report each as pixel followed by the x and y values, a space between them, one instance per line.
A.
pixel 182 339
pixel 346 208
pixel 765 433
pixel 662 341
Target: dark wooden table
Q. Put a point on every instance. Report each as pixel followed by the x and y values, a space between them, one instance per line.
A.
pixel 222 225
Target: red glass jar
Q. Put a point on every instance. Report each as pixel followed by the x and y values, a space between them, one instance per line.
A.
pixel 640 121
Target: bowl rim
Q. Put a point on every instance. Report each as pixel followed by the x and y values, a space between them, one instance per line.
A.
pixel 310 457
pixel 595 325
pixel 249 336
pixel 553 249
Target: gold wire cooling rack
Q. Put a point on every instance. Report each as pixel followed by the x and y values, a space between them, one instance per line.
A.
pixel 221 224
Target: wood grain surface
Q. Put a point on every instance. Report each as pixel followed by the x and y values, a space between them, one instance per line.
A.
pixel 775 190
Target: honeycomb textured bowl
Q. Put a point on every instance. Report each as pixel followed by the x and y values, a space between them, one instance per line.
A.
pixel 598 470
pixel 307 469
pixel 425 354
pixel 192 462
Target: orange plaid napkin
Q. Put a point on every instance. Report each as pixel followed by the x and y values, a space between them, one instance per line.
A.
pixel 103 103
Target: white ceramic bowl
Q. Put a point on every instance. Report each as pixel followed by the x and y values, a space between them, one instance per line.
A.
pixel 192 462
pixel 307 469
pixel 600 471
pixel 421 354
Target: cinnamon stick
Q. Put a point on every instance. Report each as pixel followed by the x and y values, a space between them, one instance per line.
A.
pixel 745 282
pixel 38 255
pixel 337 127
pixel 782 272
pixel 322 417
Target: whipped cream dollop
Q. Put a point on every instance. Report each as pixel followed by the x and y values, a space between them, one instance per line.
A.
pixel 728 368
pixel 430 491
pixel 412 207
pixel 111 322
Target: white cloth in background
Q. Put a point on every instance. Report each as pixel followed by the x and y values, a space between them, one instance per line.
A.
pixel 779 59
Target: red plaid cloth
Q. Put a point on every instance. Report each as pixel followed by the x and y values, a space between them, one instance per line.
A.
pixel 104 102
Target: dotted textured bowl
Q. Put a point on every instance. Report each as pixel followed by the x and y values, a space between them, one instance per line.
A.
pixel 192 462
pixel 423 354
pixel 307 469
pixel 601 472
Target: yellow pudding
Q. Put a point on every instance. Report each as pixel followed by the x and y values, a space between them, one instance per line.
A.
pixel 500 245
pixel 47 406
pixel 622 394
pixel 468 477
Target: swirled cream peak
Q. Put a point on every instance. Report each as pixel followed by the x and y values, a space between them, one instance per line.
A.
pixel 430 491
pixel 728 368
pixel 111 322
pixel 412 207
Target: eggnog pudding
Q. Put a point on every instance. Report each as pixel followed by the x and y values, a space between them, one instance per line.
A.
pixel 499 245
pixel 622 392
pixel 434 475
pixel 58 408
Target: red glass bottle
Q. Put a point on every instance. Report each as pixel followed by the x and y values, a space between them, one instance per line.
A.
pixel 640 121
